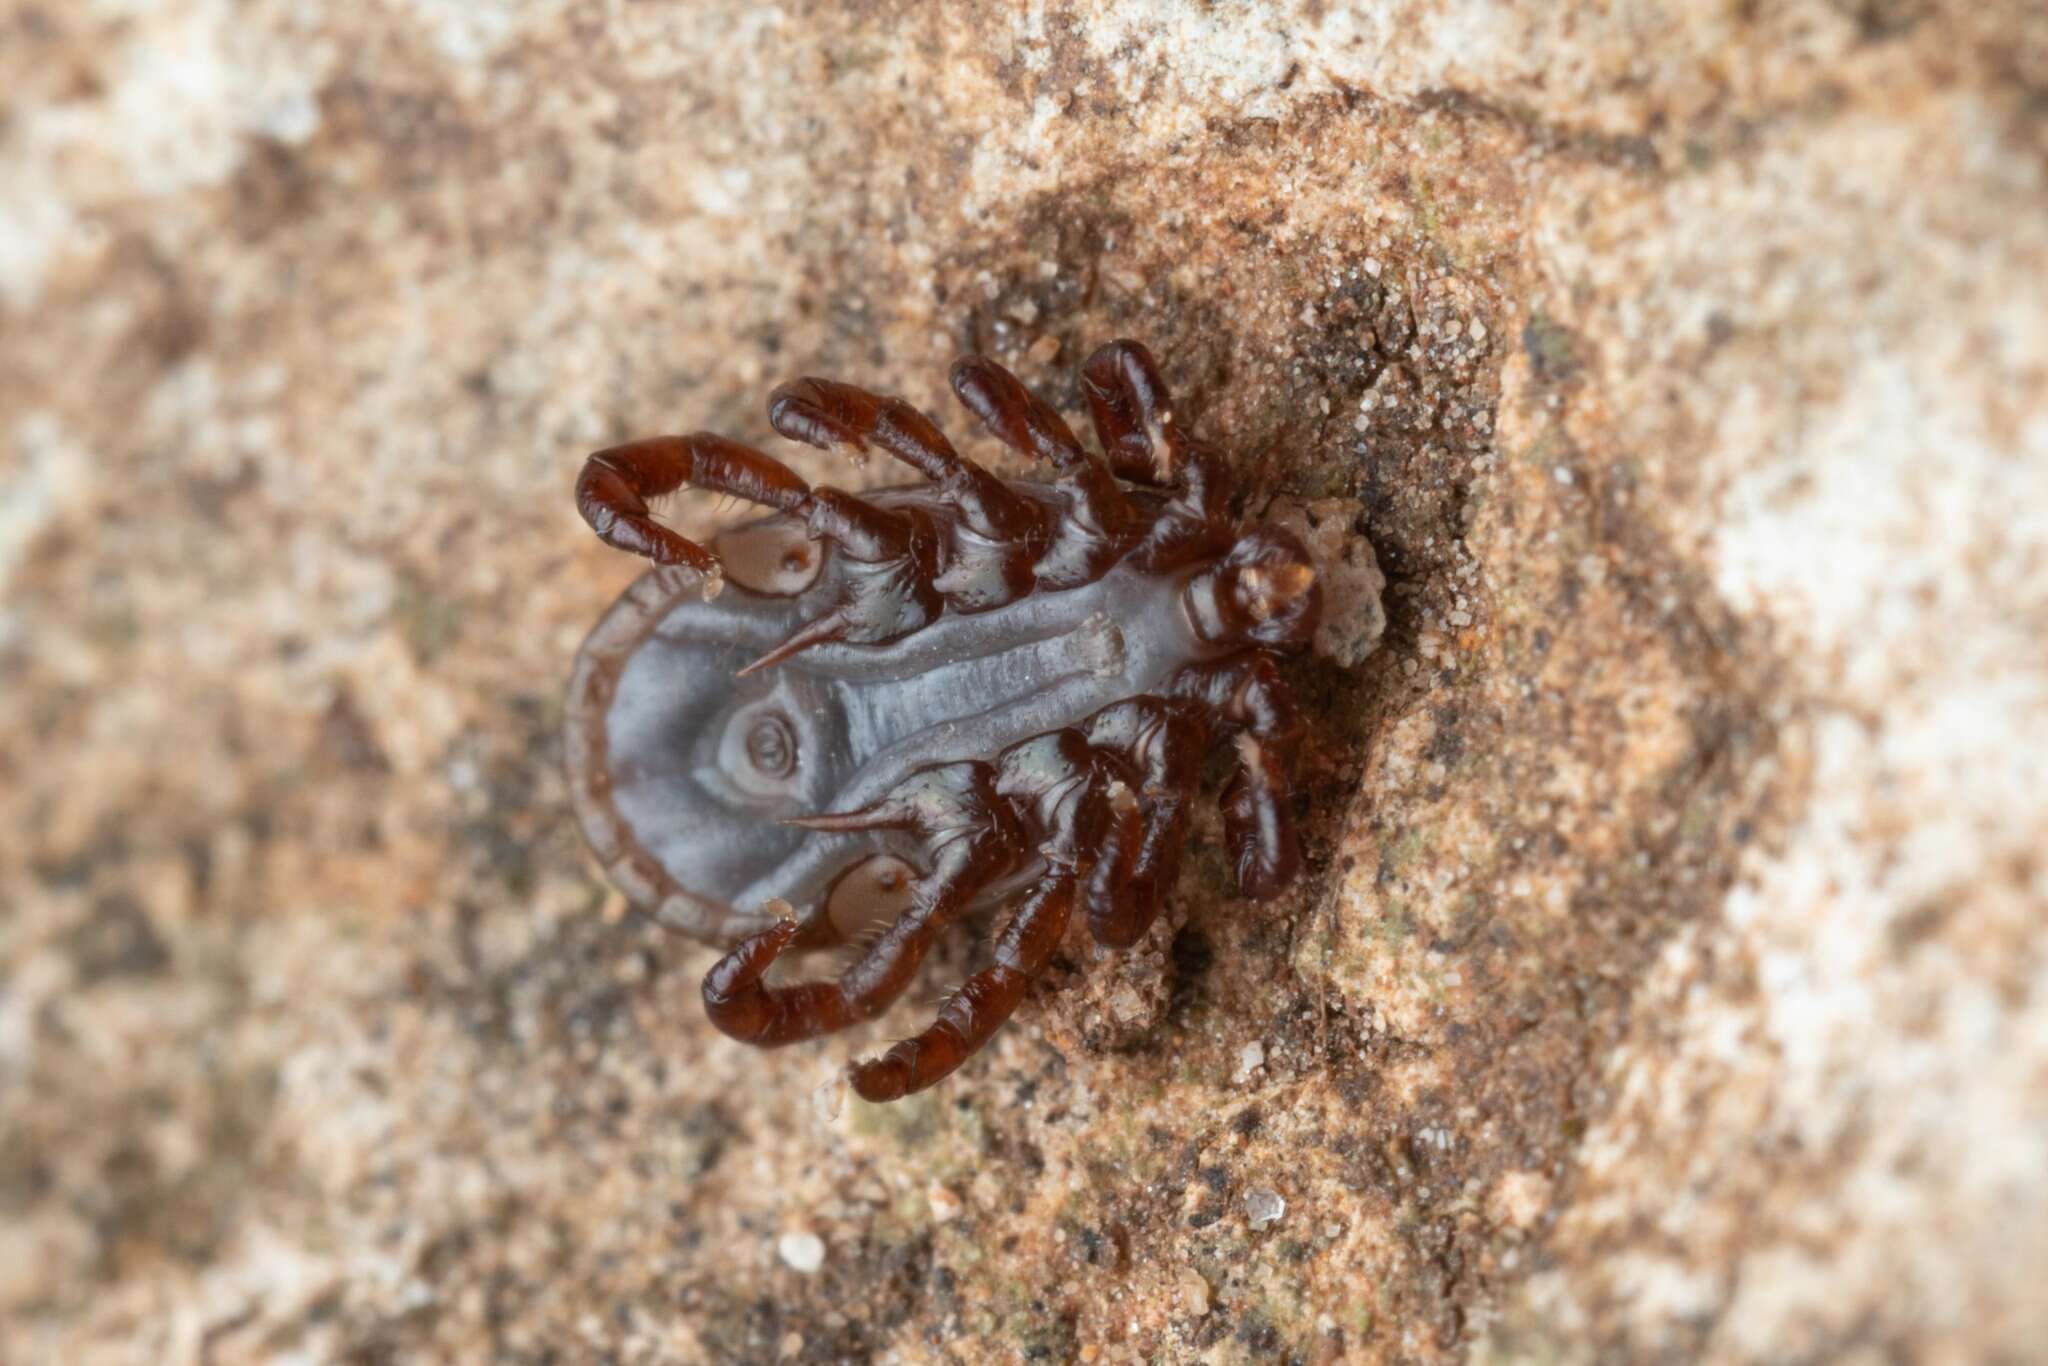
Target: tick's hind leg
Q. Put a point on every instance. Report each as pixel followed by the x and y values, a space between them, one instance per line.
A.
pixel 617 487
pixel 974 1012
pixel 889 555
pixel 977 839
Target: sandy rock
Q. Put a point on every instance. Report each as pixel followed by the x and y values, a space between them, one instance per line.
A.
pixel 1668 978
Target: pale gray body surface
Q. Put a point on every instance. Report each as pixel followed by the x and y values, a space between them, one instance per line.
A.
pixel 690 826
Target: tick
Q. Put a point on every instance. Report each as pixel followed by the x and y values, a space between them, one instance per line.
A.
pixel 863 718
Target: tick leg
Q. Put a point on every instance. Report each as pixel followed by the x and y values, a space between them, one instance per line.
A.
pixel 997 533
pixel 1136 424
pixel 1133 413
pixel 974 836
pixel 840 417
pixel 1164 740
pixel 1100 523
pixel 889 553
pixel 614 490
pixel 1243 693
pixel 1076 800
pixel 1112 898
pixel 889 564
pixel 973 1013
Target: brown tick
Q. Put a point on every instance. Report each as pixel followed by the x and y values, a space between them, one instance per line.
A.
pixel 917 704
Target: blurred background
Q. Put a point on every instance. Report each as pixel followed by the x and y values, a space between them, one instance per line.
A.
pixel 1669 974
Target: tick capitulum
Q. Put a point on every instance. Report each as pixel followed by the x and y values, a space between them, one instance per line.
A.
pixel 911 706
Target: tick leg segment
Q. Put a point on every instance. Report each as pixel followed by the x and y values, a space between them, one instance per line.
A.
pixel 974 837
pixel 614 490
pixel 999 533
pixel 974 1012
pixel 840 417
pixel 1133 413
pixel 889 563
pixel 1164 740
pixel 1100 523
pixel 890 568
pixel 1114 900
pixel 1062 786
pixel 1080 791
pixel 1135 422
pixel 1244 693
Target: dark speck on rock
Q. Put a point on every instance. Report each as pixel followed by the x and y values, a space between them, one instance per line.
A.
pixel 116 940
pixel 1192 954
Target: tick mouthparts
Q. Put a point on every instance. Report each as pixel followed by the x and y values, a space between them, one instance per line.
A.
pixel 1266 592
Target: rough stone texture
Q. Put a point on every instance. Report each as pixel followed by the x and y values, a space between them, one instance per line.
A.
pixel 1669 977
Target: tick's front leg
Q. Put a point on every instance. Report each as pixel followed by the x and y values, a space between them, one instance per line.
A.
pixel 1147 443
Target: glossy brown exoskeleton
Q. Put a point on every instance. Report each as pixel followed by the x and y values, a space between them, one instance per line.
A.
pixel 914 704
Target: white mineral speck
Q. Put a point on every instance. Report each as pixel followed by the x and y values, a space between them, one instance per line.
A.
pixel 1127 1006
pixel 1263 1206
pixel 945 1205
pixel 1250 1060
pixel 803 1252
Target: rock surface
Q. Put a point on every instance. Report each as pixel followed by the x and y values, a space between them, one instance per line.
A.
pixel 1670 976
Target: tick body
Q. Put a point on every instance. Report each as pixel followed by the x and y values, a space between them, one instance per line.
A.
pixel 860 719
